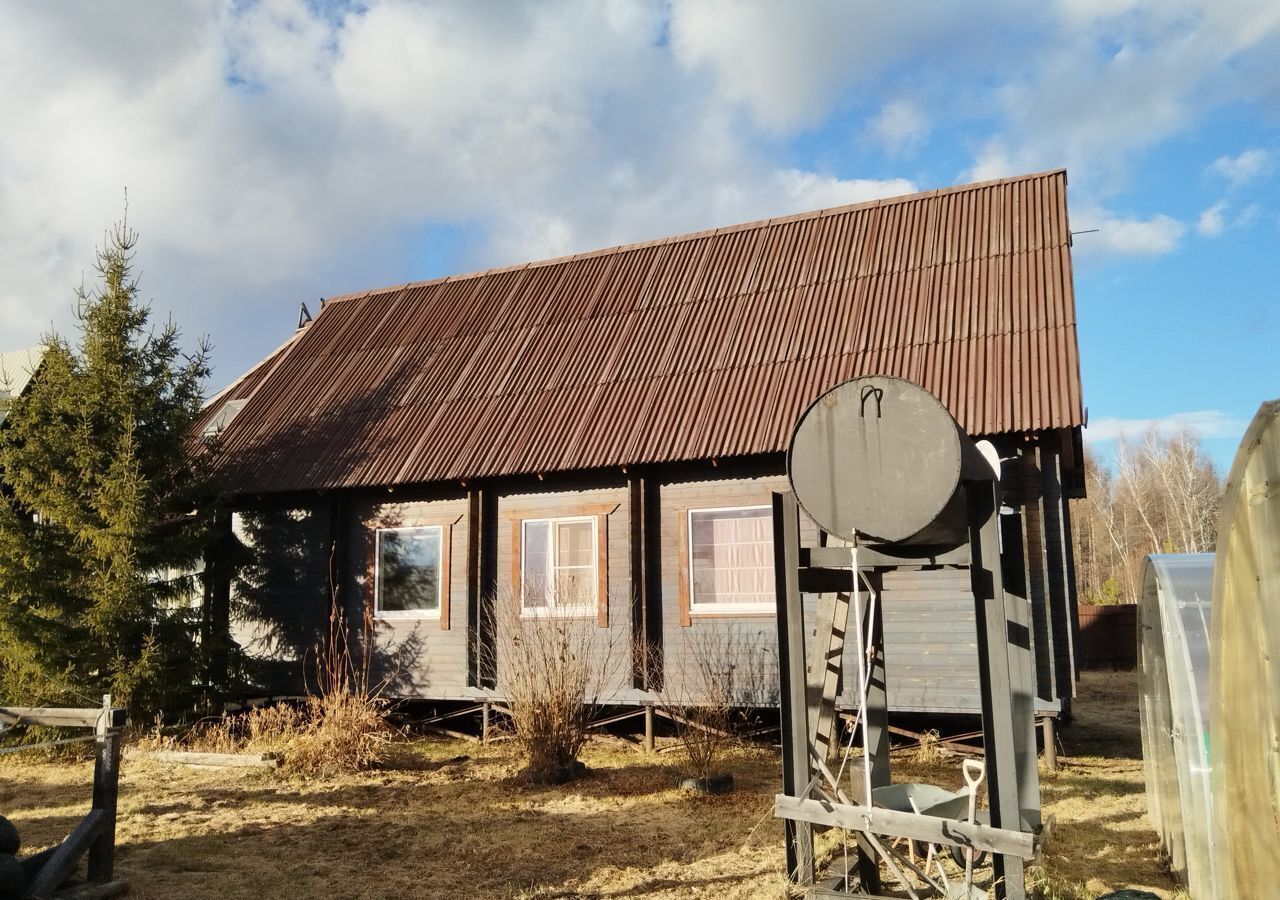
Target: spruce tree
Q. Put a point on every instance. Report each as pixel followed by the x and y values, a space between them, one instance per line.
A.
pixel 99 529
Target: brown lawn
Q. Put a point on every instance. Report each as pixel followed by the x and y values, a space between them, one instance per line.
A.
pixel 438 825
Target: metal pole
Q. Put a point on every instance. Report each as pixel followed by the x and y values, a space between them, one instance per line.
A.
pixel 796 770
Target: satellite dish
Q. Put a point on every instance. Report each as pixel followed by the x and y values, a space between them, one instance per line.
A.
pixel 876 456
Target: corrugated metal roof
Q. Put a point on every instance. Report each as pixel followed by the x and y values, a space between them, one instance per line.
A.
pixel 695 346
pixel 17 368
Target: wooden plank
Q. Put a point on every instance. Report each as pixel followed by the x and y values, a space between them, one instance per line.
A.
pixel 796 768
pixel 952 832
pixel 835 557
pixel 106 784
pixel 215 760
pixel 62 863
pixel 60 717
pixel 114 888
pixel 822 679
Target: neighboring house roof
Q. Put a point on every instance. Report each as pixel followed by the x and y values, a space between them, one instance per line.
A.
pixel 699 346
pixel 17 368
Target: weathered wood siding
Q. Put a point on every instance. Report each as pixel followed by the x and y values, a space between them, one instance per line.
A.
pixel 612 638
pixel 747 642
pixel 415 657
pixel 931 650
pixel 930 642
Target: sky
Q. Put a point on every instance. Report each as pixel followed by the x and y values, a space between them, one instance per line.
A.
pixel 280 151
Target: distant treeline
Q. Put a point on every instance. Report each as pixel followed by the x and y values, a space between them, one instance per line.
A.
pixel 1161 494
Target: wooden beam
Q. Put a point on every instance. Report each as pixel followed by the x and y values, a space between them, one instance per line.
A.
pixel 106 785
pixel 1000 673
pixel 888 822
pixel 482 585
pixel 62 863
pixel 871 556
pixel 796 766
pixel 60 717
pixel 212 760
pixel 819 670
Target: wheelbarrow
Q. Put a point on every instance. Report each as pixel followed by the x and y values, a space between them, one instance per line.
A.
pixel 931 800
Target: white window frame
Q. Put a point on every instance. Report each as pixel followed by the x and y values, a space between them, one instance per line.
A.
pixel 584 609
pixel 378 611
pixel 723 609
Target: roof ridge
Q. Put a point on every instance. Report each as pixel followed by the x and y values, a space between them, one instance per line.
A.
pixel 694 235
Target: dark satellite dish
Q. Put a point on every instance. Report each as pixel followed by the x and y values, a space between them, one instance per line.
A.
pixel 880 457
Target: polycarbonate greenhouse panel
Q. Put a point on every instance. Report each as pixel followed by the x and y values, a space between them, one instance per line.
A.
pixel 1173 639
pixel 1245 700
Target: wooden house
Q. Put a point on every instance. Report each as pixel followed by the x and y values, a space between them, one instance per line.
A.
pixel 616 420
pixel 18 368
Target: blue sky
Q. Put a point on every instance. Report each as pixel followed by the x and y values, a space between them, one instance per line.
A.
pixel 278 151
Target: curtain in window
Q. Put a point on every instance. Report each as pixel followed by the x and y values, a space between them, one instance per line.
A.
pixel 558 564
pixel 732 556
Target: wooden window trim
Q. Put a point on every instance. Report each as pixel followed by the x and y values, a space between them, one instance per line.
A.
pixel 685 566
pixel 445 523
pixel 598 511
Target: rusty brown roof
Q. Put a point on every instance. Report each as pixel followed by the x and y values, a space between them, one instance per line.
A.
pixel 698 346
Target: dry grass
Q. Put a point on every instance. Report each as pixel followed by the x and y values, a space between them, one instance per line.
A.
pixel 435 825
pixel 322 735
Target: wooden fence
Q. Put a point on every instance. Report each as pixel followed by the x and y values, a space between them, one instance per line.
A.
pixel 1109 636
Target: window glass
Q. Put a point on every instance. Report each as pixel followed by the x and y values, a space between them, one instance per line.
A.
pixel 408 573
pixel 559 564
pixel 536 568
pixel 731 557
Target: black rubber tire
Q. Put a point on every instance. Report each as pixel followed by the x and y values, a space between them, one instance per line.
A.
pixel 979 857
pixel 716 784
pixel 10 843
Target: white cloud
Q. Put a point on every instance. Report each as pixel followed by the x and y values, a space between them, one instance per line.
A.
pixel 1125 236
pixel 1248 166
pixel 1207 423
pixel 278 150
pixel 281 150
pixel 1114 80
pixel 1211 222
pixel 900 127
pixel 788 63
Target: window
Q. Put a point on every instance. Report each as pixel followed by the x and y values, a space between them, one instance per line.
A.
pixel 558 566
pixel 408 577
pixel 731 560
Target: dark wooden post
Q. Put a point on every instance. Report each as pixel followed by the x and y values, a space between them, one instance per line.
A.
pixel 482 584
pixel 215 624
pixel 1060 566
pixel 1050 731
pixel 106 780
pixel 796 771
pixel 646 582
pixel 998 716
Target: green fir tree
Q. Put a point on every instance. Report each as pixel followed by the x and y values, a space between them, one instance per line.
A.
pixel 99 534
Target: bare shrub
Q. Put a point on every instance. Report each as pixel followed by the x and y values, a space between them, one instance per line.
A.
pixel 552 669
pixel 928 751
pixel 343 725
pixel 724 674
pixel 340 726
